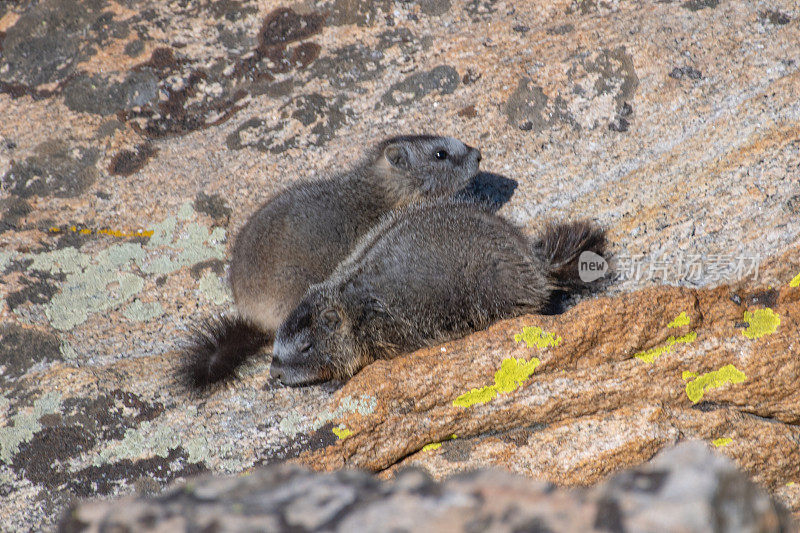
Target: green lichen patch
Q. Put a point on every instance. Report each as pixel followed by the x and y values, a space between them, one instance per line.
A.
pixel 680 320
pixel 5 259
pixel 696 388
pixel 146 440
pixel 150 439
pixel 142 311
pixel 292 424
pixel 194 245
pixel 795 281
pixel 68 353
pixel 48 458
pixel 213 288
pixel 513 373
pixel 163 233
pixel 186 212
pixel 342 432
pixel 63 261
pixel 90 292
pixel 649 356
pixel 722 441
pixel 99 282
pixel 533 336
pixel 25 424
pixel 761 322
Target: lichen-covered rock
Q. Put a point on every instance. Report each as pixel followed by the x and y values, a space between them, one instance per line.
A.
pixel 136 138
pixel 688 488
pixel 615 380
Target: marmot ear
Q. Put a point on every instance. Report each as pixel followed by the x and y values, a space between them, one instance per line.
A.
pixel 330 318
pixel 396 155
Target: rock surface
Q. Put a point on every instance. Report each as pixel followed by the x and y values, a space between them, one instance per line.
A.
pixel 688 488
pixel 614 380
pixel 138 135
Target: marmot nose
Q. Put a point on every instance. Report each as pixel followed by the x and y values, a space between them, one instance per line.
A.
pixel 276 371
pixel 479 157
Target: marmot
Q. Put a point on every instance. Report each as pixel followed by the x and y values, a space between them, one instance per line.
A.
pixel 297 238
pixel 426 274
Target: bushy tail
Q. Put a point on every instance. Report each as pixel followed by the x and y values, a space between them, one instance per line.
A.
pixel 218 347
pixel 562 244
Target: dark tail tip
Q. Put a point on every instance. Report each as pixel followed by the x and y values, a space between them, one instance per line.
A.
pixel 562 246
pixel 217 349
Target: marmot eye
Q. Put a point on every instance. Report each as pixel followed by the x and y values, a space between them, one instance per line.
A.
pixel 441 154
pixel 306 347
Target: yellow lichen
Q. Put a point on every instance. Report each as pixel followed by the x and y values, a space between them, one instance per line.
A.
pixel 535 337
pixel 761 322
pixel 482 395
pixel 790 484
pixel 722 441
pixel 727 374
pixel 795 281
pixel 649 356
pixel 687 374
pixel 436 445
pixel 342 432
pixel 513 372
pixel 680 320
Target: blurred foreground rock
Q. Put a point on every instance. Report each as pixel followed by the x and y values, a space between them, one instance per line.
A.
pixel 687 488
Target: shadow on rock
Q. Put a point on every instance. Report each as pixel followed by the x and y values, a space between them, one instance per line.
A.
pixel 492 189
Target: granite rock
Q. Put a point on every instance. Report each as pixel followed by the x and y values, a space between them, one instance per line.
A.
pixel 573 397
pixel 687 488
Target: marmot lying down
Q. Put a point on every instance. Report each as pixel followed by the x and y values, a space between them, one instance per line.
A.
pixel 426 274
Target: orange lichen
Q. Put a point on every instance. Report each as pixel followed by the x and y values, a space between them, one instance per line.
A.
pixel 103 231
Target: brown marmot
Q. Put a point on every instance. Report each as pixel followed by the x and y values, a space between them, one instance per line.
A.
pixel 297 238
pixel 426 274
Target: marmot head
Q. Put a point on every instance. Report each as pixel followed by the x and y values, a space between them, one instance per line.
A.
pixel 317 341
pixel 419 167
